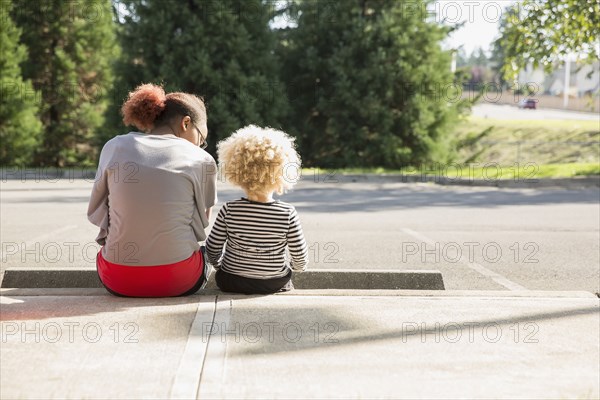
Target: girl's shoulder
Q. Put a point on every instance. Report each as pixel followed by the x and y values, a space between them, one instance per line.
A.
pixel 284 205
pixel 274 206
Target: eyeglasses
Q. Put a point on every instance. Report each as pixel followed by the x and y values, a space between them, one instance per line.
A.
pixel 203 143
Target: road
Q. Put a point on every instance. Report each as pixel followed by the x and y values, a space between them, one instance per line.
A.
pixel 479 238
pixel 508 112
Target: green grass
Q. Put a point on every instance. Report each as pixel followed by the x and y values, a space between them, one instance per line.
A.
pixel 492 149
pixel 546 125
pixel 489 171
pixel 542 142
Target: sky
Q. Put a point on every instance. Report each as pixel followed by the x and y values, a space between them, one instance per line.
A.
pixel 482 19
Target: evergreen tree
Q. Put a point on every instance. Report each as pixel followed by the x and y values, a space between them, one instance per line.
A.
pixel 71 48
pixel 20 129
pixel 220 50
pixel 369 84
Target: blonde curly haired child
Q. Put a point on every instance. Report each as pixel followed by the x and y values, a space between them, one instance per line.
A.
pixel 248 241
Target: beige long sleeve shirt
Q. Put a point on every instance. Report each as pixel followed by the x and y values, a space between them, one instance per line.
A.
pixel 150 198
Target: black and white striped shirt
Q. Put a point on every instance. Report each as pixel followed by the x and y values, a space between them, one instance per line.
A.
pixel 250 239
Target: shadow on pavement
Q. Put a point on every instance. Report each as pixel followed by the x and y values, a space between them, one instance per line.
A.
pixel 349 197
pixel 346 198
pixel 413 331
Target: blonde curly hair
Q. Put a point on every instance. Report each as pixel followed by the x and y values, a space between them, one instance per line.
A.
pixel 260 160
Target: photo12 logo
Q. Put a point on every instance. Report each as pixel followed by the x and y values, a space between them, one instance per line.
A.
pixel 470 332
pixel 455 12
pixel 66 252
pixel 270 332
pixel 68 331
pixel 454 252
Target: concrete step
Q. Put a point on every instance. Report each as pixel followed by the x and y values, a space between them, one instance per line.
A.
pixel 312 279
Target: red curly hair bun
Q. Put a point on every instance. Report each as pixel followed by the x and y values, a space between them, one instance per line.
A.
pixel 143 106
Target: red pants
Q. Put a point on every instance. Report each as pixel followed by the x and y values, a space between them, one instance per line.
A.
pixel 155 281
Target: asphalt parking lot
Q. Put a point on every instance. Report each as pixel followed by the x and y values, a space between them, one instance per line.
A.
pixel 478 237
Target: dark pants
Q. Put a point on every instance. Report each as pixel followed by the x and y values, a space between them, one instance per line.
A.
pixel 238 284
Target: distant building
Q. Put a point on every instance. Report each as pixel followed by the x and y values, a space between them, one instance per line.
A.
pixel 587 79
pixel 584 80
pixel 529 77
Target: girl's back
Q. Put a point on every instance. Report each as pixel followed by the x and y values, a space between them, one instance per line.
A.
pixel 257 235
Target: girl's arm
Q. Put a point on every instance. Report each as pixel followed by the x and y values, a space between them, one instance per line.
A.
pixel 217 238
pixel 297 243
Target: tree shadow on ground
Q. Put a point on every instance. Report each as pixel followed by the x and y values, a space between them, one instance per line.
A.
pixel 346 198
pixel 350 333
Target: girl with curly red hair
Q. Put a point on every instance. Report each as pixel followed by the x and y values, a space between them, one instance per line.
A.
pixel 152 197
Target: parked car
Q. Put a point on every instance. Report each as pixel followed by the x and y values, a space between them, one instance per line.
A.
pixel 528 104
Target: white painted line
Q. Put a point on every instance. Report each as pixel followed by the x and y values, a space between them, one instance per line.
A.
pixel 213 371
pixel 417 235
pixel 496 277
pixel 9 300
pixel 187 378
pixel 39 238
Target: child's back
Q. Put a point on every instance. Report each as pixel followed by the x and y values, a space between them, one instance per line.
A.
pixel 257 235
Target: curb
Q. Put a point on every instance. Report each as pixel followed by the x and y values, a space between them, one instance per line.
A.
pixel 314 279
pixel 565 183
pixel 54 175
pixel 436 294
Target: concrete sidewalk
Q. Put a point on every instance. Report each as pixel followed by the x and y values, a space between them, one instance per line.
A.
pixel 83 343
